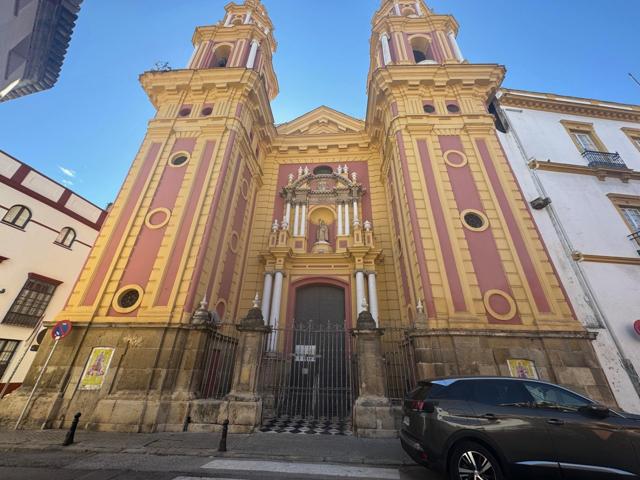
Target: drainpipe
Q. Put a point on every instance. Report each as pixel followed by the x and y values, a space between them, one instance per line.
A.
pixel 601 318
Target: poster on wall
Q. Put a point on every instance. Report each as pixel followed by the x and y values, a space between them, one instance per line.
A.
pixel 520 368
pixel 96 369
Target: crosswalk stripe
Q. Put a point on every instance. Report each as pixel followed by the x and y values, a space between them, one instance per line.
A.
pixel 325 469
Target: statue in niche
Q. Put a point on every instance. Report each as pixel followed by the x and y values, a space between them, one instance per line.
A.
pixel 323 232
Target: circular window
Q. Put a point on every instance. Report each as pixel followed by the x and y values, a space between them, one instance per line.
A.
pixel 179 160
pixel 323 170
pixel 474 220
pixel 127 299
pixel 185 111
pixel 453 108
pixel 206 111
pixel 428 108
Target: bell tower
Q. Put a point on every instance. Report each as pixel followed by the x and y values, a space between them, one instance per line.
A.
pixel 467 250
pixel 176 237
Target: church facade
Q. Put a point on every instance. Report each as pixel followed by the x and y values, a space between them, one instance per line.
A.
pixel 412 215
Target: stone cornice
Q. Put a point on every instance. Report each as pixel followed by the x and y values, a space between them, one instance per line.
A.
pixel 570 105
pixel 624 174
pixel 164 85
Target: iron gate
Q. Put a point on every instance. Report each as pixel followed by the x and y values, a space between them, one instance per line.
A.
pixel 307 372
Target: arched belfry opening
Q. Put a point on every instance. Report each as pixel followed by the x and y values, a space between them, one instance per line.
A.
pixel 422 51
pixel 221 56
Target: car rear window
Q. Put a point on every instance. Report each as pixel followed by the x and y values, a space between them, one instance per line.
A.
pixel 425 391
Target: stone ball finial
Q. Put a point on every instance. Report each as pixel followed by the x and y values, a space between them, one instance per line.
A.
pixel 339 169
pixel 291 176
pixel 306 170
pixel 365 321
pixel 420 307
pixel 256 301
pixel 201 316
pixel 254 317
pixel 367 225
pixel 345 169
pixel 274 226
pixel 300 171
pixel 284 225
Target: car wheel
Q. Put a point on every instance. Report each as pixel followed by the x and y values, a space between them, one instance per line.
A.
pixel 471 461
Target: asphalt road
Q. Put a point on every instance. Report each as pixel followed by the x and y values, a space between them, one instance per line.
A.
pixel 59 465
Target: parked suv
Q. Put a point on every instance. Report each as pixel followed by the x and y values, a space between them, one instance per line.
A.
pixel 495 428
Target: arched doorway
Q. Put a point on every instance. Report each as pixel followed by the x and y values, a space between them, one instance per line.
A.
pixel 319 306
pixel 307 380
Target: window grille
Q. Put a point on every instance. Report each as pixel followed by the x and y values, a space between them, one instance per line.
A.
pixel 7 350
pixel 31 303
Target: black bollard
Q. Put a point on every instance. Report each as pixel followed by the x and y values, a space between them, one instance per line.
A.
pixel 223 439
pixel 185 425
pixel 68 440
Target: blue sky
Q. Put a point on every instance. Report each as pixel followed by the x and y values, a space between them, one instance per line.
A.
pixel 92 122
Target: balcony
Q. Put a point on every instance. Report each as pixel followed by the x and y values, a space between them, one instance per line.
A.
pixel 635 236
pixel 603 159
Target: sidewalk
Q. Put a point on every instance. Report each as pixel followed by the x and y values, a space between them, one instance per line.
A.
pixel 273 446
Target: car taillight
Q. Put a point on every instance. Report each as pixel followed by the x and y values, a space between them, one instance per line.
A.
pixel 422 406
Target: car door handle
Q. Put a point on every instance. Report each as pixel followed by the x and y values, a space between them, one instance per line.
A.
pixel 555 421
pixel 490 416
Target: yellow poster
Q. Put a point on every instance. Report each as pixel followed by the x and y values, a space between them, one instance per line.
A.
pixel 96 369
pixel 522 368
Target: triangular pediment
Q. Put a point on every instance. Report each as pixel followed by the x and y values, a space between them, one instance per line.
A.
pixel 322 121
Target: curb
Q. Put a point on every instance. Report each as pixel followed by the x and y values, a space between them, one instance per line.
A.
pixel 192 452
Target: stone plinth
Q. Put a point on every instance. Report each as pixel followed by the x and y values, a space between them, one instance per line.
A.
pixel 372 414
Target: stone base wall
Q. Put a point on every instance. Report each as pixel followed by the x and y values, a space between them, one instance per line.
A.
pixel 154 373
pixel 565 358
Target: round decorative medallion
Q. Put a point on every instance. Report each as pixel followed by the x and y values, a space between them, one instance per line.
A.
pixel 455 158
pixel 127 299
pixel 474 220
pixel 157 218
pixel 500 305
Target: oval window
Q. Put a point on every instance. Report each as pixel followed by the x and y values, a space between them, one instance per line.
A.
pixel 474 220
pixel 453 108
pixel 428 108
pixel 178 160
pixel 128 298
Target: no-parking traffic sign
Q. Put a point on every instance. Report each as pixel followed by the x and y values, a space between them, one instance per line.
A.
pixel 61 329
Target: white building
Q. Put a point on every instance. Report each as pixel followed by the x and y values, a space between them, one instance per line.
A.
pixel 46 233
pixel 584 156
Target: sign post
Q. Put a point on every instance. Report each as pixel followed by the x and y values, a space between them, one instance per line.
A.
pixel 59 331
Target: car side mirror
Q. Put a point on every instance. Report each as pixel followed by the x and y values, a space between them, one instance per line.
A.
pixel 595 410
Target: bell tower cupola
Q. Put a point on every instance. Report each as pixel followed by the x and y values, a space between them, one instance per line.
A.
pixel 242 39
pixel 409 33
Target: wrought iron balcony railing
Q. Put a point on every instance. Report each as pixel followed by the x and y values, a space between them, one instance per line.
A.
pixel 634 236
pixel 603 159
